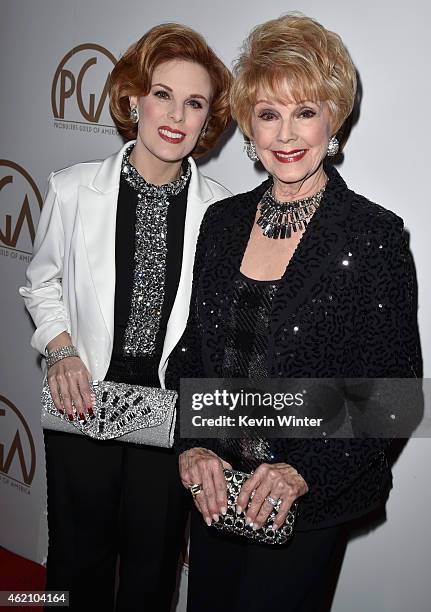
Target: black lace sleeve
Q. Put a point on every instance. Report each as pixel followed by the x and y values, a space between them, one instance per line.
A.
pixel 387 311
pixel 338 470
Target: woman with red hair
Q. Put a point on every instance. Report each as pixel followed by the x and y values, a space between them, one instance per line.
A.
pixel 109 290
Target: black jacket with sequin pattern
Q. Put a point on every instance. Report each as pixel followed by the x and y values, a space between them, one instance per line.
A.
pixel 345 308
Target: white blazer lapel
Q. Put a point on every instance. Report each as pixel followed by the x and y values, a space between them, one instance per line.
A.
pixel 97 204
pixel 199 198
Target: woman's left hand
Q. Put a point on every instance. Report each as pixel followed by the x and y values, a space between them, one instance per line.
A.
pixel 277 480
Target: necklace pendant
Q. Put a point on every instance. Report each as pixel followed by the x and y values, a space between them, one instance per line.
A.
pixel 278 219
pixel 276 231
pixel 266 231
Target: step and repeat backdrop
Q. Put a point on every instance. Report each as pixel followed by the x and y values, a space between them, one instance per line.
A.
pixel 55 61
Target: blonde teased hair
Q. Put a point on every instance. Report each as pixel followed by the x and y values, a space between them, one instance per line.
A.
pixel 296 52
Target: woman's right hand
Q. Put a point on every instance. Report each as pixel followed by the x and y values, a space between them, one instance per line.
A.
pixel 202 466
pixel 68 381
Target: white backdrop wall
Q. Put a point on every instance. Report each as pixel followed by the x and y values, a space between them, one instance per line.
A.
pixel 386 159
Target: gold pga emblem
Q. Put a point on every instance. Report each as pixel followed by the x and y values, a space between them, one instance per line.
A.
pixel 17 449
pixel 80 86
pixel 21 199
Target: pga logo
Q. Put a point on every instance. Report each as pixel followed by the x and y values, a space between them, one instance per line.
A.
pixel 80 86
pixel 17 448
pixel 20 206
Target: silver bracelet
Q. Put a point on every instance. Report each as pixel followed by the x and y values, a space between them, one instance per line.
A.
pixel 61 353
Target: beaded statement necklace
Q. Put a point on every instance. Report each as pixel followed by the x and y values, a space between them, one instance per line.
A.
pixel 144 189
pixel 150 257
pixel 278 219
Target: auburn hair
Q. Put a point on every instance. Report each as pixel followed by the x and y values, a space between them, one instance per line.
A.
pixel 132 76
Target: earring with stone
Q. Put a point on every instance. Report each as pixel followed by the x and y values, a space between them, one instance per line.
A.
pixel 250 149
pixel 333 146
pixel 134 114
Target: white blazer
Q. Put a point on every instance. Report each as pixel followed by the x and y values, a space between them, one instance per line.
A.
pixel 71 278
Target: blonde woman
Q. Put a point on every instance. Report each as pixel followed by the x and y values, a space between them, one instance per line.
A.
pixel 325 291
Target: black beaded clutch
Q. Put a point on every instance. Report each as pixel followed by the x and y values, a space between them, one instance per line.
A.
pixel 234 522
pixel 128 413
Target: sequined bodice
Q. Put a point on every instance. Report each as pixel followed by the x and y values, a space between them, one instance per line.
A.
pixel 247 329
pixel 150 257
pixel 245 355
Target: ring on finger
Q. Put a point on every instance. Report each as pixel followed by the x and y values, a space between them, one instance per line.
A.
pixel 274 502
pixel 195 489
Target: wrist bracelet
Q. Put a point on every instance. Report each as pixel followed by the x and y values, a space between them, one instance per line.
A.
pixel 61 353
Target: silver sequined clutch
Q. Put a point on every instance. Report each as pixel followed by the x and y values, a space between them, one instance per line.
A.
pixel 234 522
pixel 128 413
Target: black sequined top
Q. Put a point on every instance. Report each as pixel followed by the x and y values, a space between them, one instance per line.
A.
pixel 345 308
pixel 245 356
pixel 142 369
pixel 247 329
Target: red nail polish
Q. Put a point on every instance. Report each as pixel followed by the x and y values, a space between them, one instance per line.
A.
pixel 70 417
pixel 90 412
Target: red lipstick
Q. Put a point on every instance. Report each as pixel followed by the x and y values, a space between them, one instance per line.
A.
pixel 289 157
pixel 170 134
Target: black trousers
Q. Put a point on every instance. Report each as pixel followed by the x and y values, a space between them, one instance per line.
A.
pixel 110 499
pixel 231 574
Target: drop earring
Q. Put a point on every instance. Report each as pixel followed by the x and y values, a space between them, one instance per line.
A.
pixel 134 114
pixel 250 149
